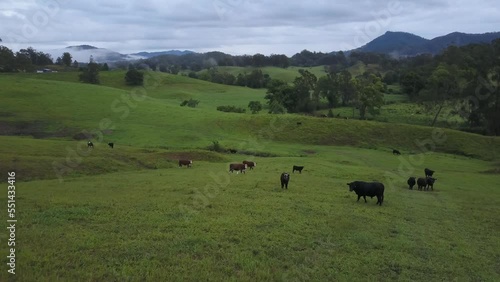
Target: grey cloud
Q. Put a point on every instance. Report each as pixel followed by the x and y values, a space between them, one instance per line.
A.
pixel 237 26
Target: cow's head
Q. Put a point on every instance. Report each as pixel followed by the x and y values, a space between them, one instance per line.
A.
pixel 285 176
pixel 352 185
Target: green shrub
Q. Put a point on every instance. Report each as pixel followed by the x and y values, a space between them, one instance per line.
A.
pixel 216 147
pixel 190 103
pixel 231 109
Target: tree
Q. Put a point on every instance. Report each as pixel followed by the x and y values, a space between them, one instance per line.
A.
pixel 44 59
pixel 255 106
pixel 327 87
pixel 134 77
pixel 411 84
pixel 75 64
pixel 369 94
pixel 7 59
pixel 346 90
pixel 259 60
pixel 66 59
pixel 105 67
pixel 306 99
pixel 23 61
pixel 90 74
pixel 442 86
pixel 299 97
pixel 280 94
pixel 241 80
pixel 256 79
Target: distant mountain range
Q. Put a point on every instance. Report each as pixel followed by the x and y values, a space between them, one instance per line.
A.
pixel 407 44
pixel 154 54
pixel 397 44
pixel 82 53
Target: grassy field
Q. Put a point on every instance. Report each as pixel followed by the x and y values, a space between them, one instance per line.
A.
pixel 130 214
pixel 203 223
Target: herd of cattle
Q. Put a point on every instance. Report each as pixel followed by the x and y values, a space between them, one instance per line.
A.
pixel 243 166
pixel 361 188
pixel 423 183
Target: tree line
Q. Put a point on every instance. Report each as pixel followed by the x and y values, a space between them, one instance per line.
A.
pixel 196 61
pixel 308 94
pixel 463 79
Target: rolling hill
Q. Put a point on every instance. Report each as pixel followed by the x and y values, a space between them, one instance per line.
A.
pixel 129 213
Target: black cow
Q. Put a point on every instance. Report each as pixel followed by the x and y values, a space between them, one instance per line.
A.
pixel 90 144
pixel 396 152
pixel 299 123
pixel 421 183
pixel 111 145
pixel 428 172
pixel 370 189
pixel 411 182
pixel 297 168
pixel 250 164
pixel 237 167
pixel 233 151
pixel 430 183
pixel 187 163
pixel 285 177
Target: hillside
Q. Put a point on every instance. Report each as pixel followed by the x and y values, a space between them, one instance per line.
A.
pixel 150 122
pixel 129 213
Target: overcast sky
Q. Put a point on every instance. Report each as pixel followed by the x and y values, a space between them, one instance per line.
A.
pixel 234 26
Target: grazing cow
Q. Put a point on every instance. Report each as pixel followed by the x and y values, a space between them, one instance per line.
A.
pixel 370 189
pixel 421 183
pixel 111 145
pixel 250 164
pixel 299 123
pixel 237 167
pixel 233 151
pixel 187 163
pixel 285 177
pixel 90 144
pixel 396 152
pixel 411 182
pixel 430 183
pixel 297 168
pixel 428 172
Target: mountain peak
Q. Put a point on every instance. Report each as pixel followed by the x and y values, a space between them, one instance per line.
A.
pixel 82 47
pixel 393 42
pixel 399 43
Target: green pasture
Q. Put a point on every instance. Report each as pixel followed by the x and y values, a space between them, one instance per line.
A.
pixel 203 223
pixel 131 214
